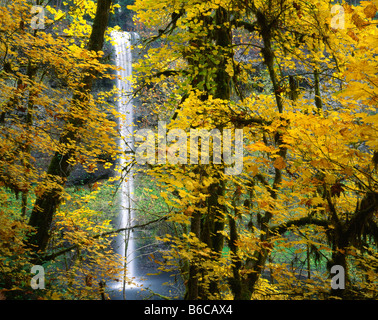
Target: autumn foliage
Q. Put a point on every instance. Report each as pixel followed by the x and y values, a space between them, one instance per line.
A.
pixel 304 90
pixel 298 77
pixel 50 122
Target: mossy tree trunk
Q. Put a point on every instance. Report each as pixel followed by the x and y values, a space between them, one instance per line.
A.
pixel 207 227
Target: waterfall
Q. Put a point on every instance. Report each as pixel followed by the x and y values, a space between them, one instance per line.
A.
pixel 123 59
pixel 125 242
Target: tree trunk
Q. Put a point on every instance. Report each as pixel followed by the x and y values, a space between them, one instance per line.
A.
pixel 60 168
pixel 244 286
pixel 207 228
pixel 192 292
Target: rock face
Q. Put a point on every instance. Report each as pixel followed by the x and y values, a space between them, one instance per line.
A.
pixel 81 177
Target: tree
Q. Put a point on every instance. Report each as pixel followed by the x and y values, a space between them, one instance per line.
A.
pixel 50 122
pixel 296 171
pixel 61 163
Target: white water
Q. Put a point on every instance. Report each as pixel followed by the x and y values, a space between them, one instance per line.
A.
pixel 123 59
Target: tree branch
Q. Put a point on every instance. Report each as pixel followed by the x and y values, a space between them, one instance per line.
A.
pixel 170 27
pixel 251 27
pixel 104 234
pixel 280 229
pixel 368 206
pixel 238 121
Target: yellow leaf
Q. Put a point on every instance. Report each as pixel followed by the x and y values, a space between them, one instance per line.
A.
pixel 164 195
pixel 279 163
pixel 254 169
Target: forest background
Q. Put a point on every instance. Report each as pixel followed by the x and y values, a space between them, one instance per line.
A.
pixel 300 79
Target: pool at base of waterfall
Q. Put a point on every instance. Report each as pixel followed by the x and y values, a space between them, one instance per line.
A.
pixel 150 287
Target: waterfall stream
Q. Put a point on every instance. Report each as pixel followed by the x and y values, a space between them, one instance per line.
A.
pixel 123 59
pixel 136 283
